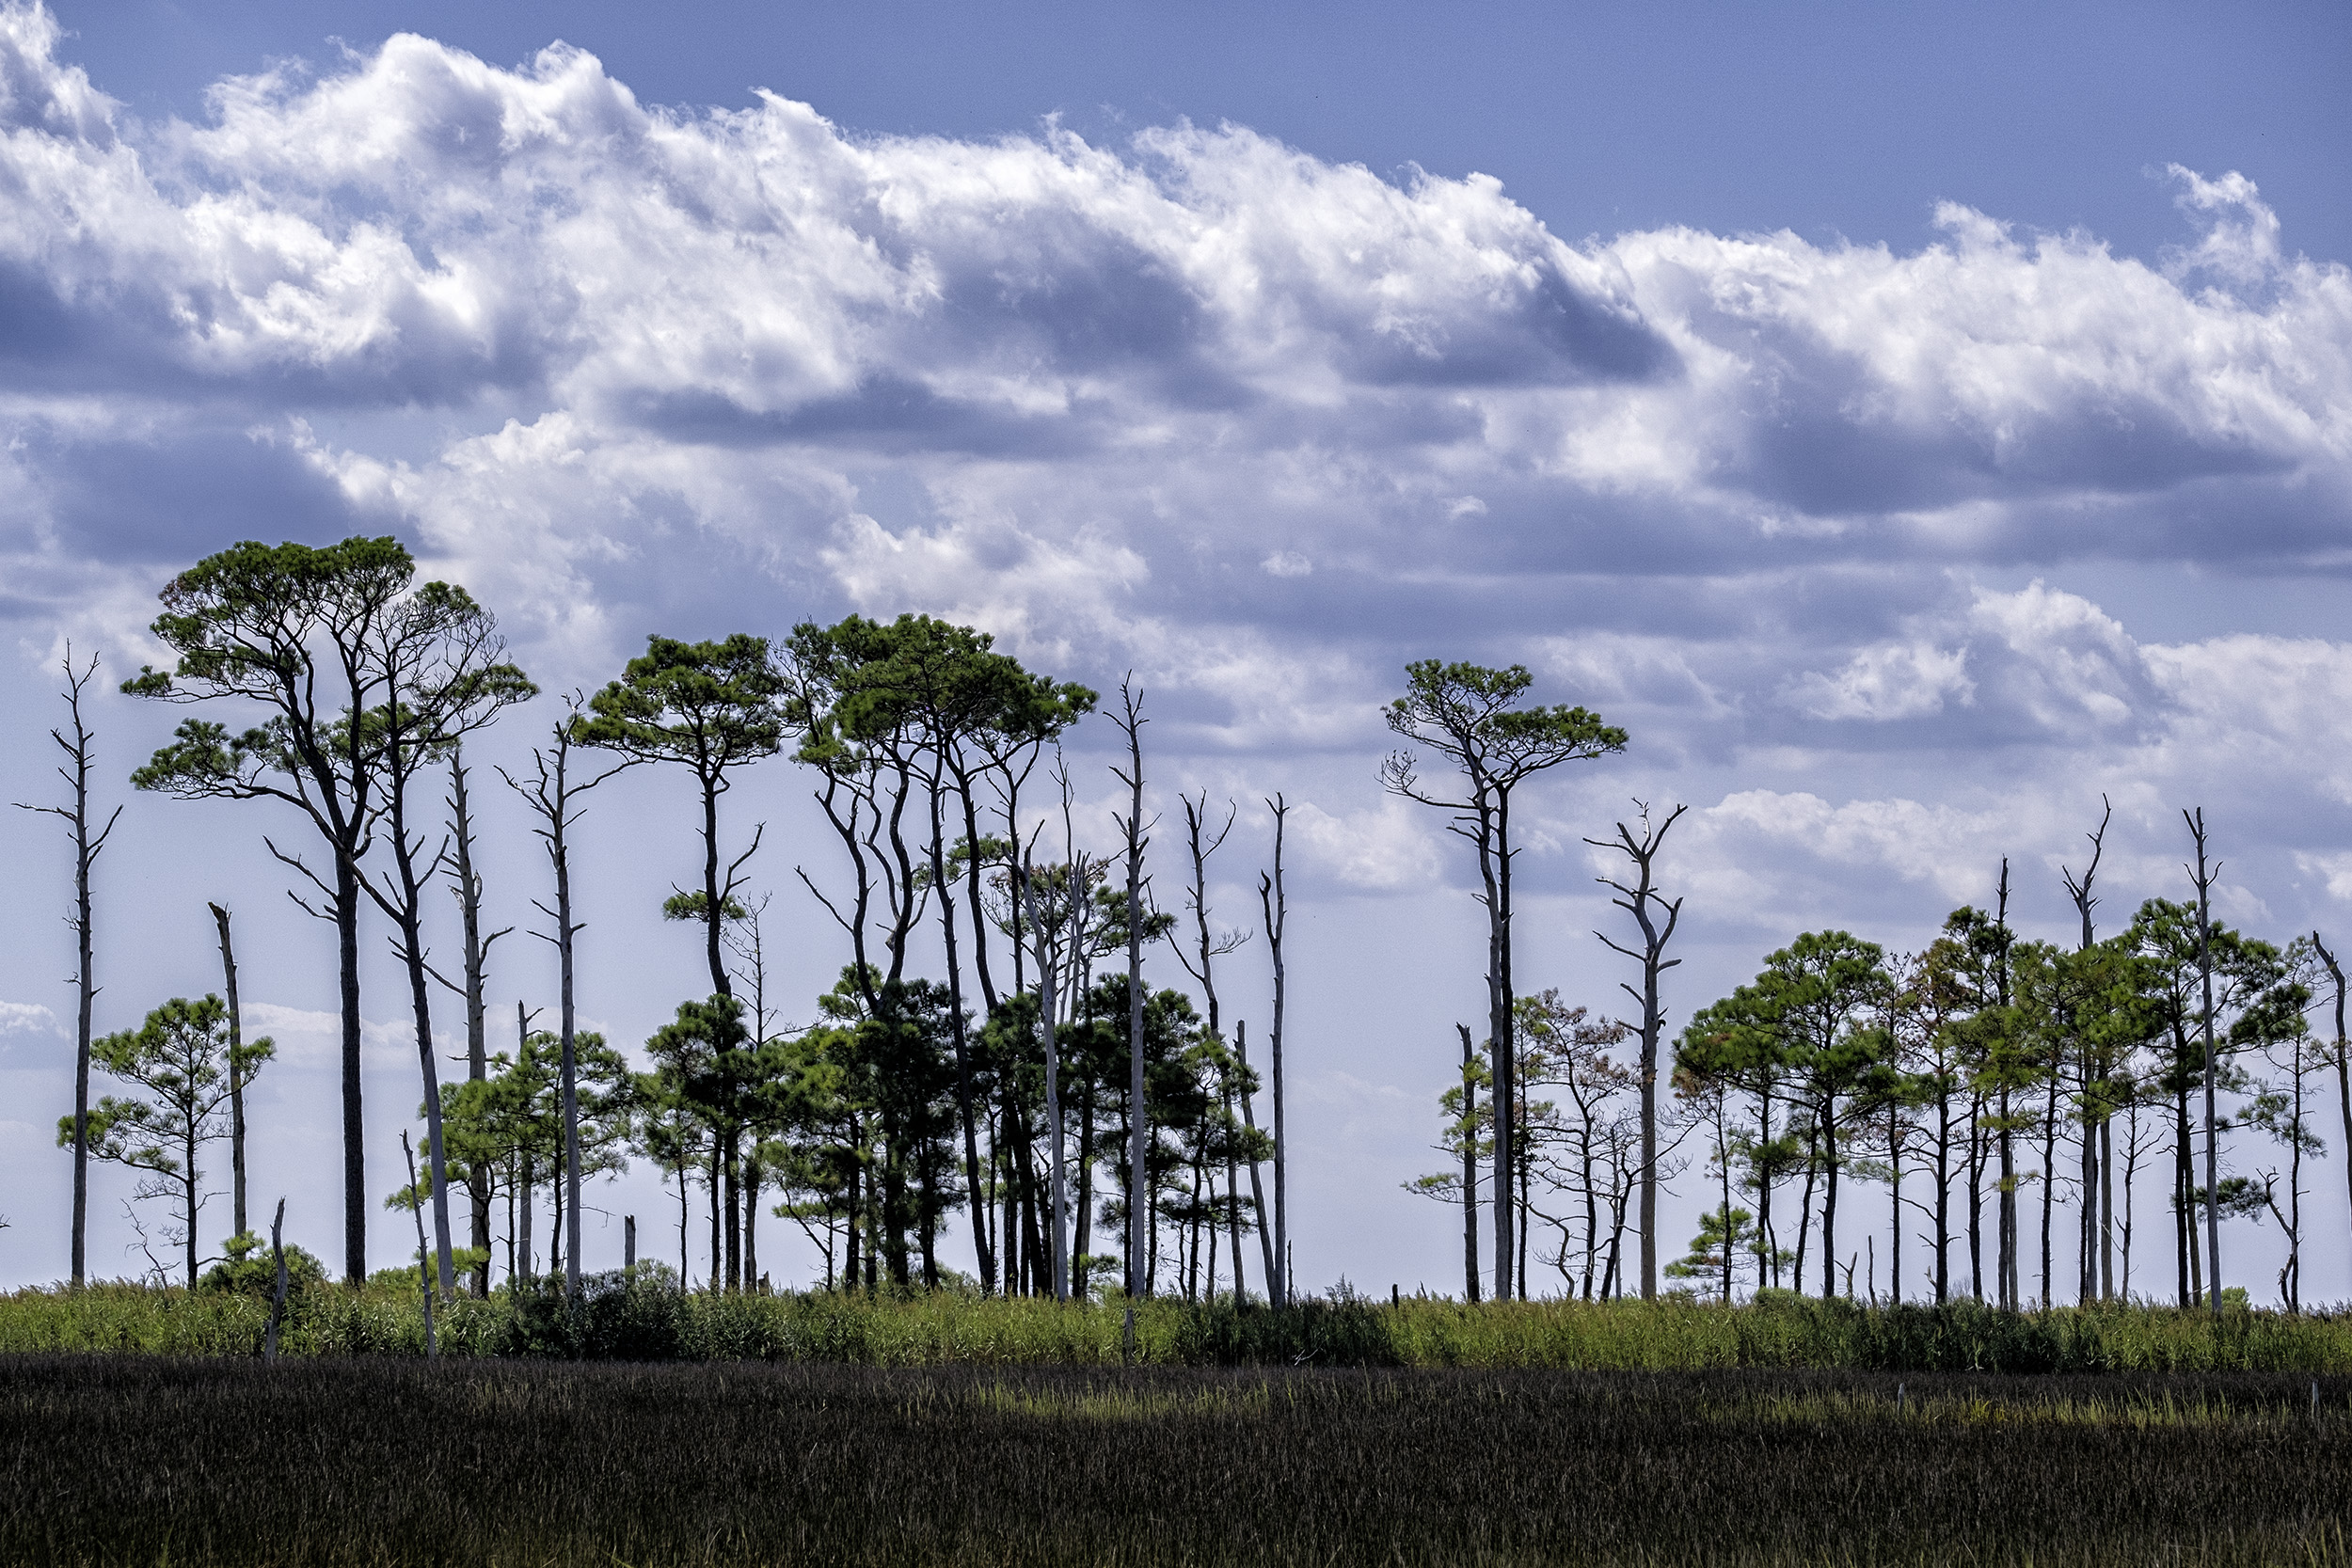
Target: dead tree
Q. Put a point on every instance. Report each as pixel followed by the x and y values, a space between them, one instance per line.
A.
pixel 87 844
pixel 2343 1068
pixel 1046 941
pixel 277 1297
pixel 466 885
pixel 1276 905
pixel 424 1252
pixel 1469 1165
pixel 2098 1162
pixel 1134 830
pixel 552 793
pixel 236 1074
pixel 1644 903
pixel 2202 876
pixel 1209 946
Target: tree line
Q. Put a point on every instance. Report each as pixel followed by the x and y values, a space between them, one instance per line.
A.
pixel 2004 1095
pixel 1091 1128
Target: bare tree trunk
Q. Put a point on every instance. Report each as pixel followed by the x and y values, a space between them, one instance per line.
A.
pixel 424 1263
pixel 2184 1185
pixel 236 1079
pixel 1257 1185
pixel 354 1143
pixel 552 798
pixel 2009 1236
pixel 277 1297
pixel 1275 902
pixel 2049 1182
pixel 2204 879
pixel 1139 1225
pixel 1975 1160
pixel 1470 1165
pixel 1041 939
pixel 963 1073
pixel 1641 900
pixel 466 886
pixel 75 772
pixel 2344 1068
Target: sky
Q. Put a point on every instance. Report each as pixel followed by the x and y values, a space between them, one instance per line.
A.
pixel 1911 428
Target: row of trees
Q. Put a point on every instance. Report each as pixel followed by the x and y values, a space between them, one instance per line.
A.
pixel 2023 1078
pixel 1989 1084
pixel 1039 1095
pixel 1090 1127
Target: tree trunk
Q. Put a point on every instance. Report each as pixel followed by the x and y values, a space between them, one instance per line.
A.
pixel 1278 917
pixel 236 1079
pixel 985 1254
pixel 2213 1152
pixel 1469 1165
pixel 565 931
pixel 1139 1122
pixel 2184 1188
pixel 1257 1185
pixel 476 955
pixel 354 1139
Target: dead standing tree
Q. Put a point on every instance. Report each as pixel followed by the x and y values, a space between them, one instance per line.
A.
pixel 2343 1067
pixel 1135 831
pixel 75 772
pixel 2098 1161
pixel 552 793
pixel 236 1074
pixel 1274 901
pixel 1463 713
pixel 1644 903
pixel 466 885
pixel 1209 946
pixel 2202 876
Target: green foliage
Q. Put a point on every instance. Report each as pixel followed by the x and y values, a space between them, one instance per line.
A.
pixel 711 705
pixel 250 1268
pixel 183 1059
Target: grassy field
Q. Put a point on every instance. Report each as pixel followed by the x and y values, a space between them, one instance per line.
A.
pixel 148 1460
pixel 651 1325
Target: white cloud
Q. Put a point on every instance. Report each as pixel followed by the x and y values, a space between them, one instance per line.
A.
pixel 308 1038
pixel 2334 869
pixel 1891 681
pixel 1949 849
pixel 27 1018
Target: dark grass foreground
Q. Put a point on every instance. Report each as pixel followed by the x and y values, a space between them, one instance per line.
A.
pixel 152 1460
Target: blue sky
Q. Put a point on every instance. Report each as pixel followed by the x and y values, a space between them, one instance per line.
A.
pixel 1909 430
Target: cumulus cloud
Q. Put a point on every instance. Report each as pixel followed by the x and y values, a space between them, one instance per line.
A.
pixel 1105 376
pixel 1256 426
pixel 26 1018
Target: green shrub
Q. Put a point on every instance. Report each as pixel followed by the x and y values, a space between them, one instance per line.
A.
pixel 250 1268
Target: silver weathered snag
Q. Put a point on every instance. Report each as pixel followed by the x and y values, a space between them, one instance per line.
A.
pixel 424 1252
pixel 1272 900
pixel 2203 875
pixel 236 1075
pixel 75 772
pixel 1131 721
pixel 277 1297
pixel 1645 903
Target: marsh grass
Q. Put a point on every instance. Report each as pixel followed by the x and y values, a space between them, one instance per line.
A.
pixel 618 1322
pixel 146 1461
